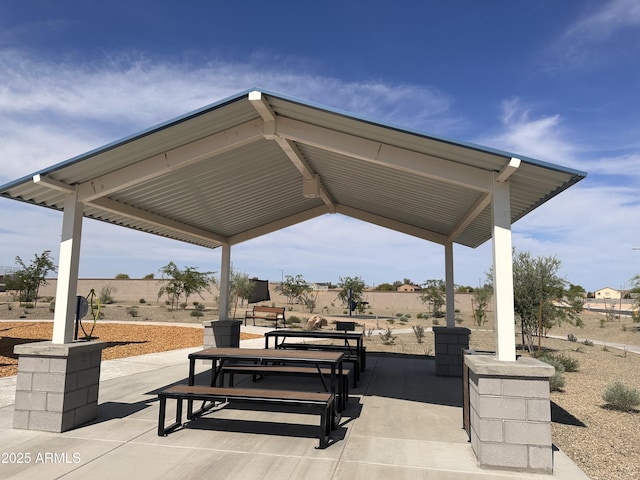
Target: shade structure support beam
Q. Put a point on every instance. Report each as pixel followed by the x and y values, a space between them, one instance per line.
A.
pixel 312 184
pixel 449 285
pixel 225 277
pixel 503 273
pixel 69 260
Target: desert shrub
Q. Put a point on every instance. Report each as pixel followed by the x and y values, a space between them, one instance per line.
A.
pixel 570 364
pixel 198 311
pixel 619 396
pixel 556 381
pixel 588 342
pixel 398 314
pixel 132 311
pixel 183 305
pixel 107 293
pixel 435 321
pixel 142 300
pixel 294 319
pixel 572 338
pixel 420 315
pixel 387 337
pixel 52 307
pixel 418 330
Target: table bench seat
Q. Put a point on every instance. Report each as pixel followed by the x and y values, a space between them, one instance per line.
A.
pixel 262 370
pixel 324 402
pixel 351 355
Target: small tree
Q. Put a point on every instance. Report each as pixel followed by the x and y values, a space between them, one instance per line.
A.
pixel 185 282
pixel 480 304
pixel 635 289
pixel 540 300
pixel 433 294
pixel 28 279
pixel 353 284
pixel 240 287
pixel 296 289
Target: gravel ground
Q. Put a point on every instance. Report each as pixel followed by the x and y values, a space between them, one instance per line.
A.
pixel 605 443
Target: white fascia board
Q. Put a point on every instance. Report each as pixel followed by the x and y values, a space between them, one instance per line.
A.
pixel 389 156
pixel 279 224
pixel 392 224
pixel 142 215
pixel 171 160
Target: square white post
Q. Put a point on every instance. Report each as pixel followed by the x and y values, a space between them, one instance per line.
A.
pixel 503 273
pixel 66 290
pixel 449 285
pixel 225 273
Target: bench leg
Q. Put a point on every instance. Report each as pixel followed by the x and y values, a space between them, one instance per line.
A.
pixel 162 431
pixel 327 423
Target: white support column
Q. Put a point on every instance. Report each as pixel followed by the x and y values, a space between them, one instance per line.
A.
pixel 225 273
pixel 503 273
pixel 450 286
pixel 66 291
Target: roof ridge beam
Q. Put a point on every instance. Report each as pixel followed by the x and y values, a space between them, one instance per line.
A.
pixel 448 171
pixel 169 161
pixel 157 220
pixel 392 224
pixel 259 102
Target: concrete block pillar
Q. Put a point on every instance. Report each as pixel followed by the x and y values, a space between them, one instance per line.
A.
pixel 57 385
pixel 449 344
pixel 510 413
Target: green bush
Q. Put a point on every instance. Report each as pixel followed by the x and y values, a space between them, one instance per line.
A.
pixel 556 381
pixel 198 310
pixel 133 311
pixel 621 397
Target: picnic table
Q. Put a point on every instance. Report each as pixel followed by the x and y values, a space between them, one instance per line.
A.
pixel 219 357
pixel 353 345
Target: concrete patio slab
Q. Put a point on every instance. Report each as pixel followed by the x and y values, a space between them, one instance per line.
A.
pixel 401 422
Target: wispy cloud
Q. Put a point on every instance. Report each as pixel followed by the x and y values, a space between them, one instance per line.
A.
pixel 543 137
pixel 588 41
pixel 74 107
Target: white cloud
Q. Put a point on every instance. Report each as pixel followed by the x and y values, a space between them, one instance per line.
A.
pixel 588 42
pixel 52 111
pixel 543 138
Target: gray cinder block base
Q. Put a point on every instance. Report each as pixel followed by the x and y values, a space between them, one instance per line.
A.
pixel 57 385
pixel 222 333
pixel 510 413
pixel 449 343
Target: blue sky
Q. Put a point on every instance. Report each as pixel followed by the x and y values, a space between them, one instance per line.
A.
pixel 557 81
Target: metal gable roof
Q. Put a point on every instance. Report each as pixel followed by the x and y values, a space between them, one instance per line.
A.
pixel 235 170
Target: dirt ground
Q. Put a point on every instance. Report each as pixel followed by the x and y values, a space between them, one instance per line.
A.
pixel 603 442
